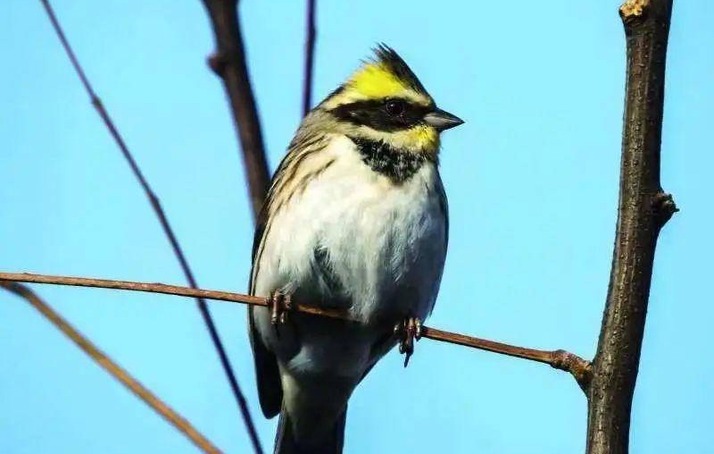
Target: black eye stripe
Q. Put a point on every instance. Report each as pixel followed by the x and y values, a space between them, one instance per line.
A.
pixel 377 115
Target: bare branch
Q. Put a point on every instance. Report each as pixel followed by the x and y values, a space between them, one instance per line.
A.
pixel 170 415
pixel 559 359
pixel 309 57
pixel 578 367
pixel 165 225
pixel 643 210
pixel 229 63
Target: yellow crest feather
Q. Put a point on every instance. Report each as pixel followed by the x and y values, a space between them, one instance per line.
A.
pixel 376 80
pixel 385 76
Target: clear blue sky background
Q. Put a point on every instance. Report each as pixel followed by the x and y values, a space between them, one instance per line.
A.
pixel 532 182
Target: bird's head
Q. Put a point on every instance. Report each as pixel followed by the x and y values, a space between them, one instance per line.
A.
pixel 385 101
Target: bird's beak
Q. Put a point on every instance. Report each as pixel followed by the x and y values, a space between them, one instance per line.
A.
pixel 442 120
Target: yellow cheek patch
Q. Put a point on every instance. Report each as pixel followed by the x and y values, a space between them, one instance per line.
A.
pixel 375 80
pixel 423 137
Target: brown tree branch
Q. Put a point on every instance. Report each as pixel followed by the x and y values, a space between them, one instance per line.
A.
pixel 559 359
pixel 643 210
pixel 178 421
pixel 229 63
pixel 163 220
pixel 309 57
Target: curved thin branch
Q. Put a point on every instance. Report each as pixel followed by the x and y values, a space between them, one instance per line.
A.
pixel 642 211
pixel 559 359
pixel 165 225
pixel 178 421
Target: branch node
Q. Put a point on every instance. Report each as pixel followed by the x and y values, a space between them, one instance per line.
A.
pixel 578 367
pixel 633 11
pixel 664 207
pixel 217 62
pixel 220 60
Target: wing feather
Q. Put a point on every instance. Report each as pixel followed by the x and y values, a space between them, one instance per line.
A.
pixel 270 391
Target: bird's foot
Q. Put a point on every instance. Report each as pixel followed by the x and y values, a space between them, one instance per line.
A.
pixel 408 331
pixel 280 305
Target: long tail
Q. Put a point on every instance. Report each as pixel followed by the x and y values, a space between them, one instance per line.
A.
pixel 285 442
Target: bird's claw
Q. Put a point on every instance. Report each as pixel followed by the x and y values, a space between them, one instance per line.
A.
pixel 408 331
pixel 280 305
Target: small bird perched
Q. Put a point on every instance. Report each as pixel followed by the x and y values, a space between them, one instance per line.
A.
pixel 356 219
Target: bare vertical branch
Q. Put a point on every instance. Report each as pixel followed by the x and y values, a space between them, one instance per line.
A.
pixel 163 220
pixel 229 63
pixel 309 57
pixel 642 211
pixel 116 371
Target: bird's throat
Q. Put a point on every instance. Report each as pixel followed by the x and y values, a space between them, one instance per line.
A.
pixel 397 165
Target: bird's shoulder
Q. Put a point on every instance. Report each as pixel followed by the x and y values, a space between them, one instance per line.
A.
pixel 305 159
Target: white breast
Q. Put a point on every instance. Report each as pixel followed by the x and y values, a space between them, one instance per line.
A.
pixel 385 243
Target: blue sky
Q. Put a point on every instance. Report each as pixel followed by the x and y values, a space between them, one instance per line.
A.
pixel 532 183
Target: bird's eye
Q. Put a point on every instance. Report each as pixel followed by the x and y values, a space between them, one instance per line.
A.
pixel 395 107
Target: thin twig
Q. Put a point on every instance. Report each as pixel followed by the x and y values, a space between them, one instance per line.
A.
pixel 578 367
pixel 310 36
pixel 178 421
pixel 559 359
pixel 163 220
pixel 643 209
pixel 229 62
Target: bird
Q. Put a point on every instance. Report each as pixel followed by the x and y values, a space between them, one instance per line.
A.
pixel 355 220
